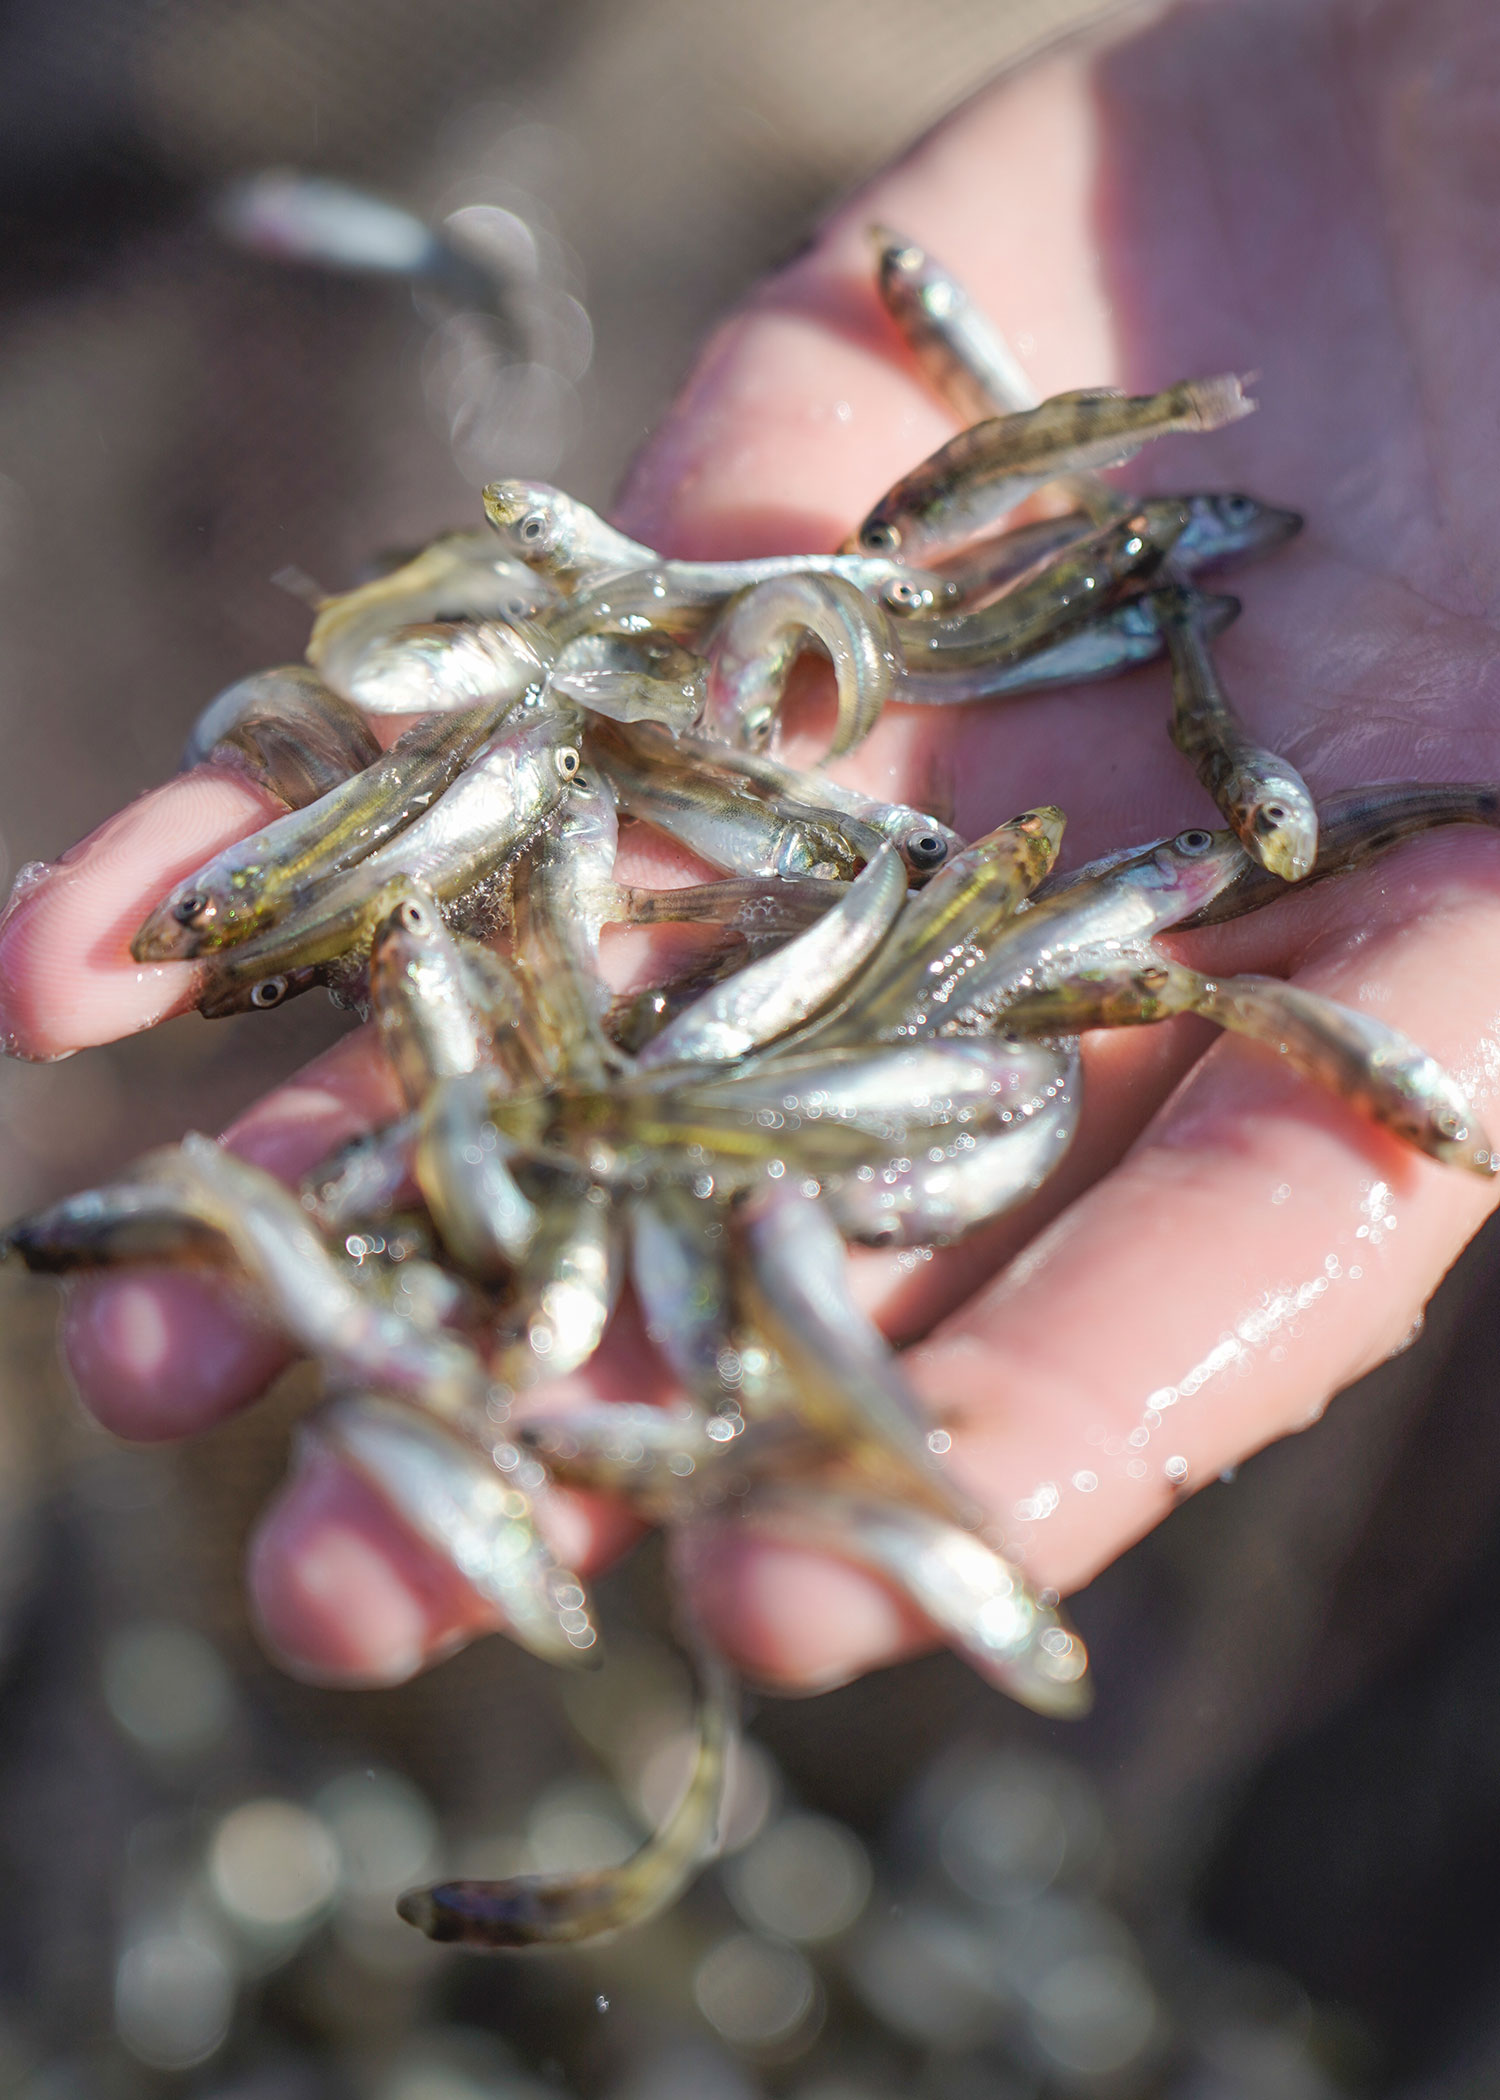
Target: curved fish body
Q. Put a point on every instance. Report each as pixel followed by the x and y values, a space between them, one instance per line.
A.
pixel 1223 526
pixel 1068 590
pixel 308 1292
pixel 570 1910
pixel 445 667
pixel 263 878
pixel 680 1267
pixel 761 635
pixel 960 353
pixel 632 678
pixel 1355 827
pixel 667 1463
pixel 932 1202
pixel 460 576
pixel 573 545
pixel 979 1602
pixel 1265 798
pixel 285 729
pixel 1379 1071
pixel 362 1180
pixel 456 1499
pixel 124 1222
pixel 781 991
pixel 922 969
pixel 441 1006
pixel 924 842
pixel 981 475
pixel 636 1018
pixel 848 1389
pixel 501 799
pixel 729 827
pixel 563 895
pixel 1116 642
pixel 464 1168
pixel 565 1285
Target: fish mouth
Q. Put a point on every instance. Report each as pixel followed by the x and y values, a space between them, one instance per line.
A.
pixel 163 937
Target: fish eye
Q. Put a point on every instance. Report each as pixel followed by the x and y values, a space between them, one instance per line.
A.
pixel 188 911
pixel 1193 841
pixel 1153 977
pixel 271 993
pixel 879 538
pixel 1238 510
pixel 568 761
pixel 413 916
pixel 533 527
pixel 757 724
pixel 905 597
pixel 1273 813
pixel 924 849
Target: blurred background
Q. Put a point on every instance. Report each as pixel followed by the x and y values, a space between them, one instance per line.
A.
pixel 1265 1867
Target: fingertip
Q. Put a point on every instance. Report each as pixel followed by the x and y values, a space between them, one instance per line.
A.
pixel 67 977
pixel 795 1621
pixel 342 1594
pixel 161 1353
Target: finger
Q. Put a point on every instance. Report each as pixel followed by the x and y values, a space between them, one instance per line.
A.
pixel 67 977
pixel 158 1352
pixel 344 1593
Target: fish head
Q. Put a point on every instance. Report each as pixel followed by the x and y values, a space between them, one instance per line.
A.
pixel 534 520
pixel 407 936
pixel 204 912
pixel 1228 524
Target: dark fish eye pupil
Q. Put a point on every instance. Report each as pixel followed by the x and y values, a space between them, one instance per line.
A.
pixel 879 537
pixel 533 525
pixel 270 993
pixel 925 849
pixel 1195 841
pixel 190 910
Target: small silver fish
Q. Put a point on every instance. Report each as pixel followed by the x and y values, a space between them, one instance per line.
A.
pixel 849 1389
pixel 771 997
pixel 459 576
pixel 556 1910
pixel 1264 797
pixel 448 666
pixel 766 628
pixel 464 1168
pixel 927 1202
pixel 501 799
pixel 960 353
pixel 1355 827
pixel 1115 642
pixel 309 1294
pixel 562 896
pixel 573 545
pixel 262 878
pixel 457 1500
pixel 978 477
pixel 442 1005
pixel 724 824
pixel 285 729
pixel 632 678
pixel 1381 1072
pixel 979 1602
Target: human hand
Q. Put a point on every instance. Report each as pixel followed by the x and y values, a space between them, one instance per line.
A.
pixel 1302 187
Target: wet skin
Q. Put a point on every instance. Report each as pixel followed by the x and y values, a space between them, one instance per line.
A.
pixel 1295 186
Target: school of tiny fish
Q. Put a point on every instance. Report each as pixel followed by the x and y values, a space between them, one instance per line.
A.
pixel 879 1045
